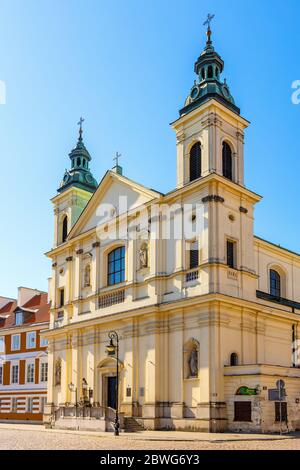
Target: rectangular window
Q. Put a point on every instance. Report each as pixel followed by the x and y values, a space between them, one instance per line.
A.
pixel 15 374
pixel 242 411
pixel 1 375
pixel 15 342
pixel 30 339
pixel 2 344
pixel 231 254
pixel 43 342
pixel 61 297
pixel 19 319
pixel 14 404
pixel 282 412
pixel 44 372
pixel 29 407
pixel 30 373
pixel 194 255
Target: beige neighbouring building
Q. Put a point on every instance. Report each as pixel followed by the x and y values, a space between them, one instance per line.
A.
pixel 208 322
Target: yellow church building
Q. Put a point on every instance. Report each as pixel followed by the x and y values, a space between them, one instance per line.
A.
pixel 206 313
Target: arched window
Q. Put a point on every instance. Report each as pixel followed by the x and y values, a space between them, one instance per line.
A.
pixel 116 266
pixel 275 283
pixel 227 161
pixel 210 72
pixel 64 229
pixel 78 161
pixel 195 161
pixel 234 360
pixel 203 73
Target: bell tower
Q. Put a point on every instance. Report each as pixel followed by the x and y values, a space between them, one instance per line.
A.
pixel 76 189
pixel 210 162
pixel 210 130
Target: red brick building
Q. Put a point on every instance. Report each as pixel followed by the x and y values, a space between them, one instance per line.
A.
pixel 23 356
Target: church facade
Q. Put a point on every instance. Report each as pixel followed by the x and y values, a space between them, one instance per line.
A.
pixel 207 314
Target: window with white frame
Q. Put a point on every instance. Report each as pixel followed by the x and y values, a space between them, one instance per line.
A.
pixel 31 339
pixel 19 318
pixel 44 372
pixel 1 375
pixel 15 342
pixel 43 342
pixel 15 374
pixel 29 406
pixel 14 404
pixel 30 372
pixel 2 344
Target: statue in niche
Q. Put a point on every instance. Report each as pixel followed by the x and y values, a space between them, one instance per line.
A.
pixel 143 256
pixel 87 276
pixel 58 372
pixel 193 363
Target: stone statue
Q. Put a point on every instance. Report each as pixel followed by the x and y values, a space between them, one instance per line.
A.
pixel 58 372
pixel 87 276
pixel 143 256
pixel 193 363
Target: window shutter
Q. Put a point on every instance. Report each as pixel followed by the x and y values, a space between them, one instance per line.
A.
pixel 194 258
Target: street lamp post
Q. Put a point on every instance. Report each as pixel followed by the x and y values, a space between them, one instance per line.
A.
pixel 113 349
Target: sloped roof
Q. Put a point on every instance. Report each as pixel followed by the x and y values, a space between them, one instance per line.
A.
pixel 36 309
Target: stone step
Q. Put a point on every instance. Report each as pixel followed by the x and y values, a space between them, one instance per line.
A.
pixel 132 425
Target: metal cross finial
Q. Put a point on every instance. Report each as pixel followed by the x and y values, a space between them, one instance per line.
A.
pixel 208 20
pixel 81 121
pixel 118 155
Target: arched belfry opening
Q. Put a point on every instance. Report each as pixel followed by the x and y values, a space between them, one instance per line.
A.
pixel 227 161
pixel 64 230
pixel 195 161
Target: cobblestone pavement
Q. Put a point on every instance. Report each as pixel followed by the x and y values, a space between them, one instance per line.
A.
pixel 19 439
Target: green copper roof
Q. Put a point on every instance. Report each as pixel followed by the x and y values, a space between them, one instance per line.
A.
pixel 209 67
pixel 79 175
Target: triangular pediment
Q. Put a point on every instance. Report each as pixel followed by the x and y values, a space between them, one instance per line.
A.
pixel 115 195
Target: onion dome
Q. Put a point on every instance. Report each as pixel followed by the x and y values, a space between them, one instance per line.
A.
pixel 209 67
pixel 79 175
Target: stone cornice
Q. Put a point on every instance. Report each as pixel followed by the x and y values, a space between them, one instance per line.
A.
pixel 261 369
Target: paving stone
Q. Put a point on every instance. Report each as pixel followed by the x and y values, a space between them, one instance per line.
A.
pixel 25 439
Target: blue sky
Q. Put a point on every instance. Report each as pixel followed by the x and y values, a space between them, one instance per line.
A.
pixel 127 66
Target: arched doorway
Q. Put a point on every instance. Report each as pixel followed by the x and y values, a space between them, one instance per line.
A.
pixel 107 381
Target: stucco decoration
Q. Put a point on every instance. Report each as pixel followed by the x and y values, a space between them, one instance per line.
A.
pixel 143 256
pixel 87 275
pixel 58 372
pixel 193 363
pixel 191 359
